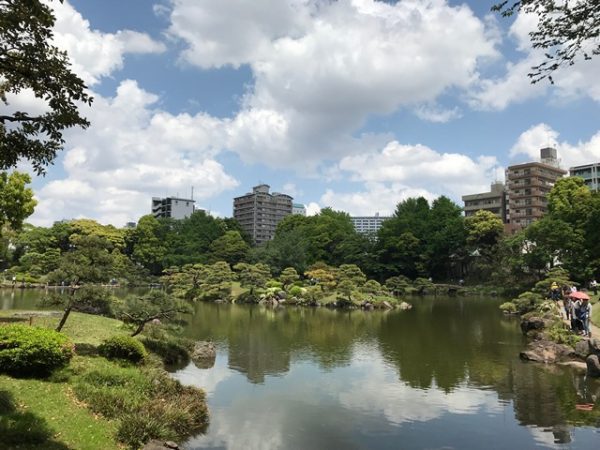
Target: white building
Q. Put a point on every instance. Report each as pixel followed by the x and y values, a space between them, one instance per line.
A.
pixel 590 174
pixel 299 208
pixel 172 207
pixel 368 224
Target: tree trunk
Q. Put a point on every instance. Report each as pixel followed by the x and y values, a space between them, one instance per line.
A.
pixel 64 318
pixel 139 329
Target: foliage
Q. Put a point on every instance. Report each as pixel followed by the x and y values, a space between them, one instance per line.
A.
pixel 200 282
pixel 288 276
pixel 123 347
pixel 171 350
pixel 16 200
pixel 252 275
pixel 32 351
pixel 566 31
pixel 230 248
pixel 527 301
pixel 508 307
pixel 29 61
pixel 155 305
pixel 561 335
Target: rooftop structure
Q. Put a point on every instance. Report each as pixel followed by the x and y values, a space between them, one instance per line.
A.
pixel 258 212
pixel 299 208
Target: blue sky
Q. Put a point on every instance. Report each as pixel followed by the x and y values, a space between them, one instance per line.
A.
pixel 353 104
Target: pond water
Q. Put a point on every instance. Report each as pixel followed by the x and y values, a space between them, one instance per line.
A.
pixel 445 375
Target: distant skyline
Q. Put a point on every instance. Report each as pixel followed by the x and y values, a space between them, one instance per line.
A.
pixel 352 104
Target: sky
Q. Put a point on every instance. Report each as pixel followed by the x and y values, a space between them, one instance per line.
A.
pixel 350 104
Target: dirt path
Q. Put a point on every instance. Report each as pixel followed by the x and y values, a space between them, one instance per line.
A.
pixel 594 330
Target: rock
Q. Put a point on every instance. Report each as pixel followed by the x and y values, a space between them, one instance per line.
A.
pixel 547 352
pixel 204 354
pixel 580 366
pixel 155 444
pixel 532 323
pixel 281 295
pixel 582 348
pixel 593 366
pixel 387 305
pixel 405 306
pixel 594 346
pixel 368 305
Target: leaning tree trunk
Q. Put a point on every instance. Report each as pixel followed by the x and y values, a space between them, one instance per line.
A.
pixel 64 318
pixel 139 329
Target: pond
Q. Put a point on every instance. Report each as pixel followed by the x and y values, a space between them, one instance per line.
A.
pixel 444 375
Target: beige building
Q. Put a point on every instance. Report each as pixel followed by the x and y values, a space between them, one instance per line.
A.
pixel 493 201
pixel 528 186
pixel 259 212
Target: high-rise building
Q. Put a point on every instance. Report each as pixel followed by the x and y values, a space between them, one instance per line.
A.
pixel 172 207
pixel 368 224
pixel 494 201
pixel 590 174
pixel 528 186
pixel 299 208
pixel 259 212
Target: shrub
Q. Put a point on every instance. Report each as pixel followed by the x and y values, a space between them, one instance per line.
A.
pixel 123 347
pixel 296 291
pixel 32 351
pixel 527 301
pixel 274 284
pixel 171 350
pixel 508 307
pixel 138 428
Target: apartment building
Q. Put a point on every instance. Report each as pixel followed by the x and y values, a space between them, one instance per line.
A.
pixel 590 174
pixel 368 224
pixel 494 201
pixel 528 186
pixel 299 208
pixel 172 207
pixel 259 212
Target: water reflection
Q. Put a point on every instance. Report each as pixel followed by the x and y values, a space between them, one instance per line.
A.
pixel 445 375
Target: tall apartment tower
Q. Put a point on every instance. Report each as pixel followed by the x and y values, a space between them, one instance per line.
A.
pixel 173 207
pixel 528 186
pixel 259 212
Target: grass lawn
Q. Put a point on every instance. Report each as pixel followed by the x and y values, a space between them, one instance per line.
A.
pixel 44 414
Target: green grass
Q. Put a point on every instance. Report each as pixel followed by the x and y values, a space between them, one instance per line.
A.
pixel 46 415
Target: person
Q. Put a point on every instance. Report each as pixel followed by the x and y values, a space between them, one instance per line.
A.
pixel 568 305
pixel 583 311
pixel 594 286
pixel 554 292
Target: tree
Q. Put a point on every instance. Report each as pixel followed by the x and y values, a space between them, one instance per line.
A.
pixel 146 244
pixel 230 247
pixel 566 31
pixel 288 276
pixel 156 305
pixel 252 275
pixel 16 200
pixel 28 61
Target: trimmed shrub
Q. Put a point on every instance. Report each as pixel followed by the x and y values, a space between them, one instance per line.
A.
pixel 508 307
pixel 296 291
pixel 171 350
pixel 33 351
pixel 123 347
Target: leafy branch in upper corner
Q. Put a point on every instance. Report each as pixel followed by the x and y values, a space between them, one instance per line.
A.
pixel 30 63
pixel 566 31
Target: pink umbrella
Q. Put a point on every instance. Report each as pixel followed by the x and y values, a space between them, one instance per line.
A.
pixel 579 295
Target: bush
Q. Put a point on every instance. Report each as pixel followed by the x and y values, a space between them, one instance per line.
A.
pixel 508 307
pixel 527 301
pixel 171 350
pixel 123 347
pixel 296 291
pixel 138 428
pixel 32 351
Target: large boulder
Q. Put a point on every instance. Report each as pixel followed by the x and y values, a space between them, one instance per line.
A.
pixel 547 352
pixel 594 345
pixel 204 354
pixel 405 306
pixel 582 348
pixel 532 323
pixel 593 366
